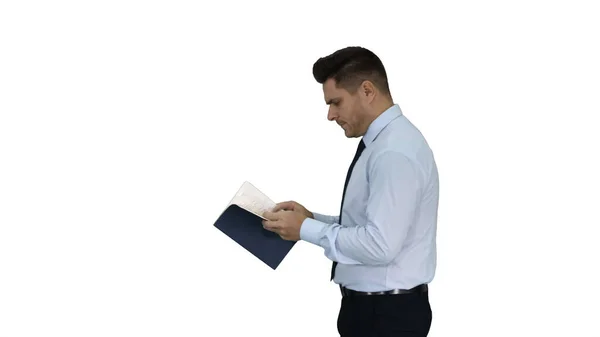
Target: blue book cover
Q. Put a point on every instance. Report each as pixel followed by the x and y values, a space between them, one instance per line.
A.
pixel 241 221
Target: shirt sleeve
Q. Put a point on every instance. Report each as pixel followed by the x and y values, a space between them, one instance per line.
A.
pixel 328 219
pixel 394 193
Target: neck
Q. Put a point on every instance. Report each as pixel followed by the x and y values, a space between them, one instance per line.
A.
pixel 377 110
pixel 381 108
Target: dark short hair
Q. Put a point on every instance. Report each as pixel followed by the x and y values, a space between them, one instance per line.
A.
pixel 349 67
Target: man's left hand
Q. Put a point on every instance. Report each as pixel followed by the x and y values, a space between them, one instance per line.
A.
pixel 285 223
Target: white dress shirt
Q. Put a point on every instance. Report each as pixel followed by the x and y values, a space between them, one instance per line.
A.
pixel 388 236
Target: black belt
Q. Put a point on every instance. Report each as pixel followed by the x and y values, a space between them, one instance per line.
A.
pixel 422 288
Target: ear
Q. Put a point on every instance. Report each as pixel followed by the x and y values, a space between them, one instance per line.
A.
pixel 367 91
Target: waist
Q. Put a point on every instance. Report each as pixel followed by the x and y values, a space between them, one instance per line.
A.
pixel 375 278
pixel 422 288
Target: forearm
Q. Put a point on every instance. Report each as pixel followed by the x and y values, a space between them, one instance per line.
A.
pixel 348 245
pixel 327 219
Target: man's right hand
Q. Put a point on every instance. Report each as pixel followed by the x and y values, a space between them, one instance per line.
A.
pixel 292 206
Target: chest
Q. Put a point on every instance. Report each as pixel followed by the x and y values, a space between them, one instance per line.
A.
pixel 357 193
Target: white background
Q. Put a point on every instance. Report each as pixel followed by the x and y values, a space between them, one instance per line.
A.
pixel 126 127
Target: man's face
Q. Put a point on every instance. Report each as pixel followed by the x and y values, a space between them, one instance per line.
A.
pixel 345 109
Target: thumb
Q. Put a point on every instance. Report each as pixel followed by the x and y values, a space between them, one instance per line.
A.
pixel 286 205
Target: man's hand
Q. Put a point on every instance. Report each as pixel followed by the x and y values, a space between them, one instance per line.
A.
pixel 286 219
pixel 292 206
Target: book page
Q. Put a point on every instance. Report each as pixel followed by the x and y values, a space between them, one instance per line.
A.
pixel 253 200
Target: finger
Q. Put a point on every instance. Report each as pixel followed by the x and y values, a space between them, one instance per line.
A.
pixel 274 230
pixel 271 225
pixel 272 216
pixel 286 205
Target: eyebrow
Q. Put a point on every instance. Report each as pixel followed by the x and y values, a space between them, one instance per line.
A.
pixel 331 100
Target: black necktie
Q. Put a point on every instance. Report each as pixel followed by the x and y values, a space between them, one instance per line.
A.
pixel 359 150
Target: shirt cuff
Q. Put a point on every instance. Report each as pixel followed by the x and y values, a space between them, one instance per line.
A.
pixel 311 230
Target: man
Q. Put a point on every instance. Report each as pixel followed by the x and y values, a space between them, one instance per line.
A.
pixel 382 244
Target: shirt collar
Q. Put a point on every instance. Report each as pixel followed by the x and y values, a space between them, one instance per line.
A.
pixel 380 123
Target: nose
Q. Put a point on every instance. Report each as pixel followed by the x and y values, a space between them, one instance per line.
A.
pixel 331 114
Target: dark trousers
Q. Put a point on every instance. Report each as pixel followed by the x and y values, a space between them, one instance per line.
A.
pixel 385 315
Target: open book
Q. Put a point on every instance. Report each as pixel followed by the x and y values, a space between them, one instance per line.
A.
pixel 242 220
pixel 252 200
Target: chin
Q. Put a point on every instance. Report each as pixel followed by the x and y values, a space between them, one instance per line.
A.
pixel 347 132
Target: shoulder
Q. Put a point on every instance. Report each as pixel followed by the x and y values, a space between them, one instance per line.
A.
pixel 398 147
pixel 401 138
